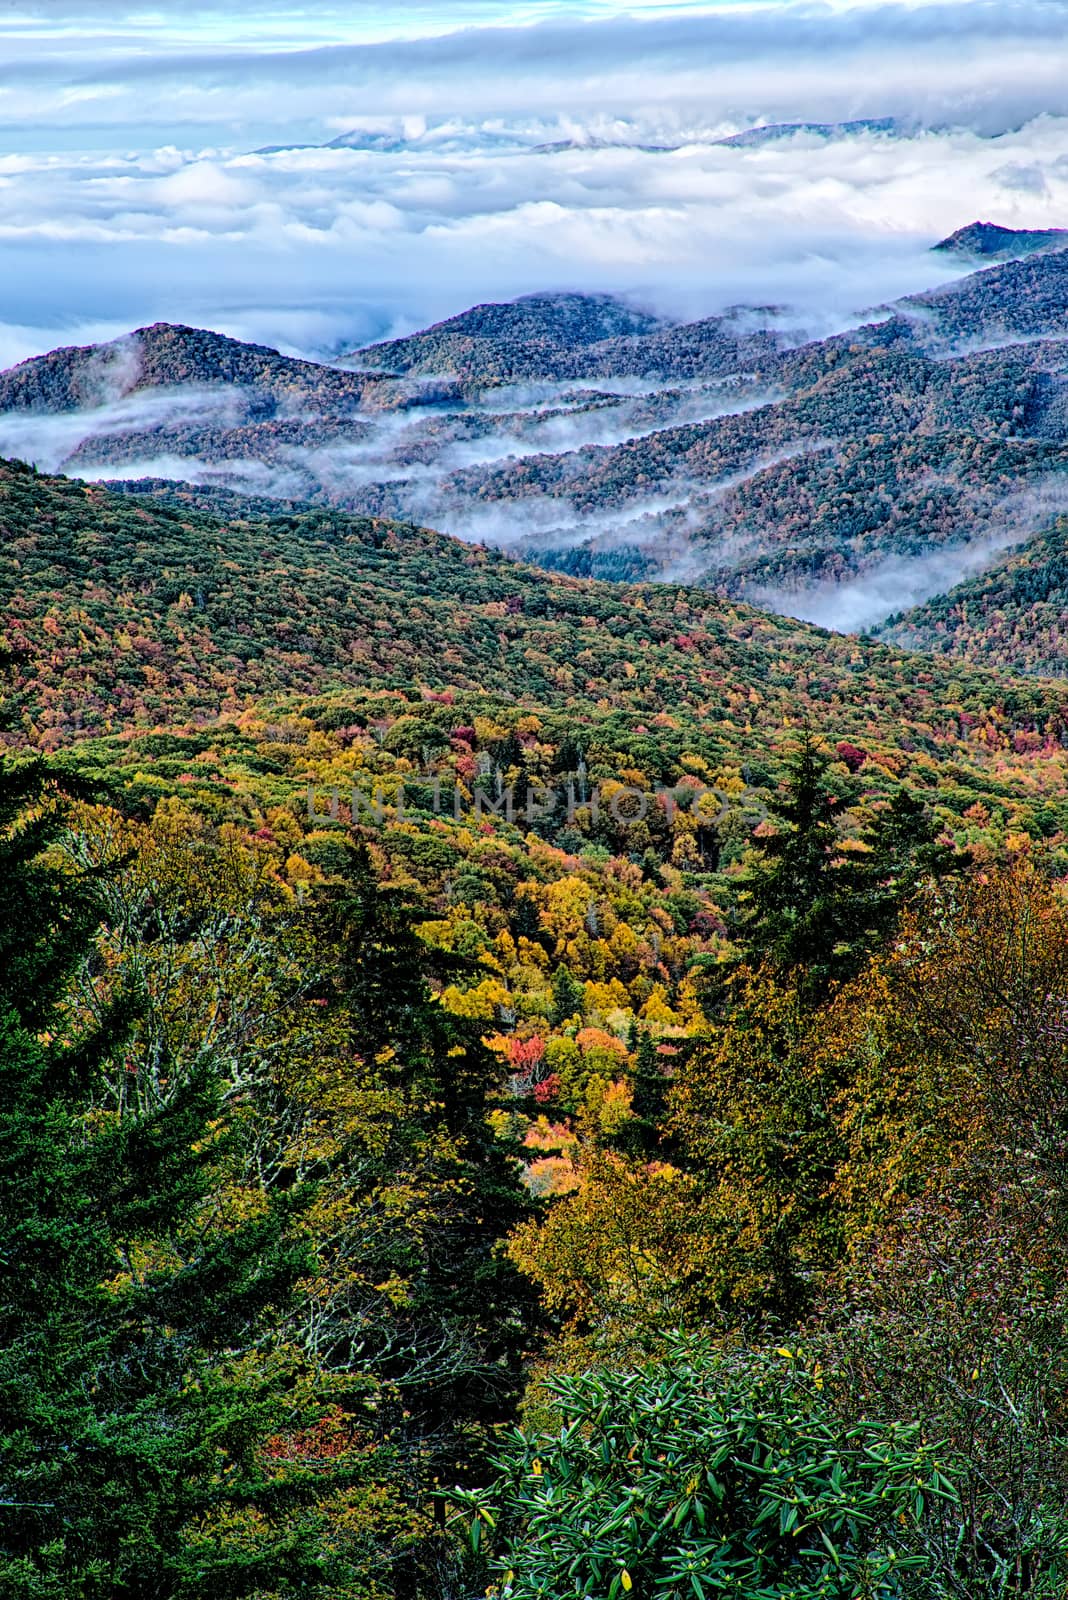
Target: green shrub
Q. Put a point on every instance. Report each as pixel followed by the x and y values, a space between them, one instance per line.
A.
pixel 704 1474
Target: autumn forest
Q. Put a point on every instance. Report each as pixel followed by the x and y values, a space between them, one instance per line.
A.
pixel 515 1084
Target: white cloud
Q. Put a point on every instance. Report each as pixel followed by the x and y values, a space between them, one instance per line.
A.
pixel 132 190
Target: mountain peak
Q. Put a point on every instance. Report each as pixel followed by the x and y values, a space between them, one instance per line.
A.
pixel 991 242
pixel 167 355
pixel 555 320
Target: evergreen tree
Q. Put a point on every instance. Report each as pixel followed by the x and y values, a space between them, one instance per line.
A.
pixel 792 897
pixel 814 910
pixel 568 757
pixel 905 852
pixel 124 1435
pixel 568 996
pixel 650 1085
pixel 642 1134
pixel 526 921
pixel 444 1190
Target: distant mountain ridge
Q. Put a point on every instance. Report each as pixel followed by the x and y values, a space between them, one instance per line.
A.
pixel 593 435
pixel 550 322
pixel 448 138
pixel 132 613
pixel 775 132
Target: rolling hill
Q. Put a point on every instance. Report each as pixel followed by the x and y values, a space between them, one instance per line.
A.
pixel 129 614
pixel 589 435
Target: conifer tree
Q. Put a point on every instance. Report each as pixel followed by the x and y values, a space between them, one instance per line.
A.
pixel 448 1191
pixel 905 853
pixel 650 1085
pixel 642 1133
pixel 791 899
pixel 568 996
pixel 814 910
pixel 124 1433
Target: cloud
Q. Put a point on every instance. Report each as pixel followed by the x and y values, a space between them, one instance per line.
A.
pixel 315 249
pixel 47 441
pixel 888 586
pixel 132 190
pixel 789 61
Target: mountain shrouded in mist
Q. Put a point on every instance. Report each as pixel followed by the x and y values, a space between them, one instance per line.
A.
pixel 840 479
pixel 989 241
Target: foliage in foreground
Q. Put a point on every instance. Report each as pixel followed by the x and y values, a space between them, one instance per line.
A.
pixel 135 1386
pixel 707 1474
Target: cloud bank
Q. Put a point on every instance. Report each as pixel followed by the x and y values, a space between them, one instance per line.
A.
pixel 502 148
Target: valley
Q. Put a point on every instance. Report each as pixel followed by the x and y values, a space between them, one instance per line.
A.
pixel 824 479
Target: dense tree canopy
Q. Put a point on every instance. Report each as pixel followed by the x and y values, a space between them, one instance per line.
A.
pixel 399 1057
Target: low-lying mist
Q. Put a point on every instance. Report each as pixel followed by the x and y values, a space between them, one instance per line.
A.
pixel 898 583
pixel 49 440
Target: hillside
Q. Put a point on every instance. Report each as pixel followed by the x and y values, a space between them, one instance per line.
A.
pixel 1013 616
pixel 534 800
pixel 587 435
pixel 473 1030
pixel 168 356
pixel 539 335
pixel 130 613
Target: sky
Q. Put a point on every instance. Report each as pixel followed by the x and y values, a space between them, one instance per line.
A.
pixel 165 162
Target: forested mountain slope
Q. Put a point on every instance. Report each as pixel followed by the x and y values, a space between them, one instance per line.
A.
pixel 133 610
pixel 989 242
pixel 592 436
pixel 129 613
pixel 1014 616
pixel 169 356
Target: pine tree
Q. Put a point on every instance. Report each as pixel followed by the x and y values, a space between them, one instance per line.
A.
pixel 905 853
pixel 526 921
pixel 447 1191
pixel 568 996
pixel 815 911
pixel 568 757
pixel 650 1085
pixel 793 898
pixel 122 1428
pixel 643 1133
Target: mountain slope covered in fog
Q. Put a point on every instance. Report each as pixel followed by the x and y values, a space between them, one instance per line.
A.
pixel 837 479
pixel 1014 616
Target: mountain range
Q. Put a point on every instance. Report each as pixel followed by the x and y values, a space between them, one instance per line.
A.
pixel 452 138
pixel 844 479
